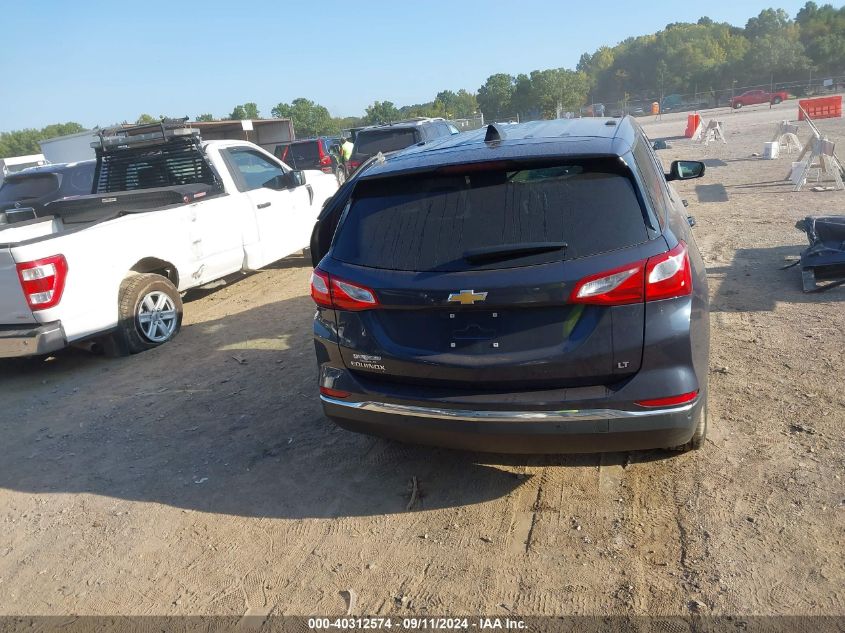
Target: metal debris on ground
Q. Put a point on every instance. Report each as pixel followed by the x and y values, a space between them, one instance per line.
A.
pixel 824 259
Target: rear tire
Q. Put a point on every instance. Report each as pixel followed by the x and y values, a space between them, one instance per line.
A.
pixel 149 313
pixel 737 106
pixel 776 100
pixel 340 175
pixel 700 434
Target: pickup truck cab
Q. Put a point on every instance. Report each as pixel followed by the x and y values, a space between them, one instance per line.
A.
pixel 169 212
pixel 753 97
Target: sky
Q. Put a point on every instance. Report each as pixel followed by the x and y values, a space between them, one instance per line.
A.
pixel 99 63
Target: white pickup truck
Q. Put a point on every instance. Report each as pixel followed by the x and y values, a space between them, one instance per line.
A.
pixel 169 213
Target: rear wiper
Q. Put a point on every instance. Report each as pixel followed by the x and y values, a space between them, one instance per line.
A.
pixel 506 251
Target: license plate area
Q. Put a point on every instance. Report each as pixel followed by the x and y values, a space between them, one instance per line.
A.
pixel 474 330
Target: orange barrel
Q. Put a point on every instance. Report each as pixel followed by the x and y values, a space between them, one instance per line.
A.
pixel 693 121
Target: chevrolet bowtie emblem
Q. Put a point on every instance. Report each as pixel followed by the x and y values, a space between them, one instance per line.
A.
pixel 467 297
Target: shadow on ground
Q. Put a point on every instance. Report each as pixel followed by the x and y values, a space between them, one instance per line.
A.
pixel 754 281
pixel 226 419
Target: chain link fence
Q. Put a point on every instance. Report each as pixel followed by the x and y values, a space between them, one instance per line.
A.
pixel 639 103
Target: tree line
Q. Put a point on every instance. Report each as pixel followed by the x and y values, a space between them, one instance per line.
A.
pixel 705 57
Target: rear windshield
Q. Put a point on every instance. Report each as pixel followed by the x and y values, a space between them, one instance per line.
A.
pixel 297 154
pixel 371 142
pixel 432 222
pixel 29 188
pixel 78 180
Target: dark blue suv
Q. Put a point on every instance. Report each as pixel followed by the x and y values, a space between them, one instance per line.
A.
pixel 523 288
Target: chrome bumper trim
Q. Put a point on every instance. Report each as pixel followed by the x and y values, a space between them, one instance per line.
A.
pixel 470 415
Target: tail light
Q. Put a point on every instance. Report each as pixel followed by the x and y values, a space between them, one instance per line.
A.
pixel 43 281
pixel 331 292
pixel 334 393
pixel 619 286
pixel 668 275
pixel 353 165
pixel 325 159
pixel 684 398
pixel 660 277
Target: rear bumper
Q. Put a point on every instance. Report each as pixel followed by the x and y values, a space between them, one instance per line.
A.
pixel 549 431
pixel 31 340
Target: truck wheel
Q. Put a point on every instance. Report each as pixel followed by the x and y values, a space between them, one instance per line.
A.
pixel 149 312
pixel 700 434
pixel 737 105
pixel 341 176
pixel 776 100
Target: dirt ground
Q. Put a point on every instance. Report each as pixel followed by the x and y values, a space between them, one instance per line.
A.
pixel 202 478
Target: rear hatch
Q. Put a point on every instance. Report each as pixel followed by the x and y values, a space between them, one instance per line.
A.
pixel 14 309
pixel 304 155
pixel 371 142
pixel 473 269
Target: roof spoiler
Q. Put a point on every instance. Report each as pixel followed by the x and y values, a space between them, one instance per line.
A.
pixel 494 133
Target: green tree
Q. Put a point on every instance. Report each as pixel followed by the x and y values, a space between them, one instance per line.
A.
pixel 145 119
pixel 557 90
pixel 248 110
pixel 23 142
pixel 205 117
pixel 308 118
pixel 494 97
pixel 768 22
pixel 822 32
pixel 381 112
pixel 523 99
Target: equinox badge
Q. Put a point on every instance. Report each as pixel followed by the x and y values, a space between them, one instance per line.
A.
pixel 467 297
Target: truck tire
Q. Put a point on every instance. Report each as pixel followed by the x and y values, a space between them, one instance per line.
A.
pixel 149 313
pixel 737 105
pixel 776 100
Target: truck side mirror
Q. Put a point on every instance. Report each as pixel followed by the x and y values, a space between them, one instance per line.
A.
pixel 288 180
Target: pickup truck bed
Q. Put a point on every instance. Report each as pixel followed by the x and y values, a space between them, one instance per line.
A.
pixel 63 276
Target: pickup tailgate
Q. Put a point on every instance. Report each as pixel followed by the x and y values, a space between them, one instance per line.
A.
pixel 14 309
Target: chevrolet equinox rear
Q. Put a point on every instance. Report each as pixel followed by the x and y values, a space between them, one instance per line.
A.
pixel 529 288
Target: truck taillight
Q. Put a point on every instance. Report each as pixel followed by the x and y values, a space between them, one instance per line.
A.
pixel 663 276
pixel 352 165
pixel 43 281
pixel 331 292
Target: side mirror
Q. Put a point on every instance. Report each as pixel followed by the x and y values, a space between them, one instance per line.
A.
pixel 659 144
pixel 298 177
pixel 288 180
pixel 685 170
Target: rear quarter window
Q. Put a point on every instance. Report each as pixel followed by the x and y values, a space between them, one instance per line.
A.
pixel 429 222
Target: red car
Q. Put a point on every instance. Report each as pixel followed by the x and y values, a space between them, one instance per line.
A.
pixel 752 97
